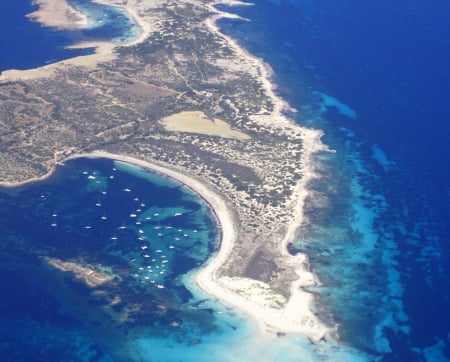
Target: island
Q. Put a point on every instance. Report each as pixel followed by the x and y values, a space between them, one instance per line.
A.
pixel 184 100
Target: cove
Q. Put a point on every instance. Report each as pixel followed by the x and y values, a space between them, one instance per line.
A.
pixel 92 258
pixel 27 45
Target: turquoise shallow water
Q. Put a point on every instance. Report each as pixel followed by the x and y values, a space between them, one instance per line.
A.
pixel 27 45
pixel 378 237
pixel 139 231
pixel 374 77
pixel 98 263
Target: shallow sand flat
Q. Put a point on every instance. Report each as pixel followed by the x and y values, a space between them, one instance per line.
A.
pixel 104 52
pixel 52 10
pixel 58 14
pixel 198 122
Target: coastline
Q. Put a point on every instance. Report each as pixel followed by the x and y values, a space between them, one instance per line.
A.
pixel 104 50
pixel 271 310
pixel 289 319
pixel 261 69
pixel 58 14
pixel 312 144
pixel 10 185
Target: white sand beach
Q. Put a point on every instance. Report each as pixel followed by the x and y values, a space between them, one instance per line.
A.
pixel 58 14
pixel 272 310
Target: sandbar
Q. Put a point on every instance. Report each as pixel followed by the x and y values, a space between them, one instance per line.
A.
pixel 58 14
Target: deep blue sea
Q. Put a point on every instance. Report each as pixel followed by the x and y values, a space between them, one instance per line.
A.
pixel 25 44
pixel 375 77
pixel 139 232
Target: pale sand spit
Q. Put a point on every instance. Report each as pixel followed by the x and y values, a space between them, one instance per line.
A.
pixel 104 51
pixel 58 14
pixel 272 311
pixel 252 296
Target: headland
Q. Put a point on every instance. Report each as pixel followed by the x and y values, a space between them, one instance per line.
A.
pixel 118 105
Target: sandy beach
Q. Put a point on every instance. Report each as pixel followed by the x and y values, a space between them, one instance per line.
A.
pixel 273 311
pixel 295 316
pixel 252 297
pixel 58 14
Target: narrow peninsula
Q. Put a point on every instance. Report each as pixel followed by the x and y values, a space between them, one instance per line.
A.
pixel 187 101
